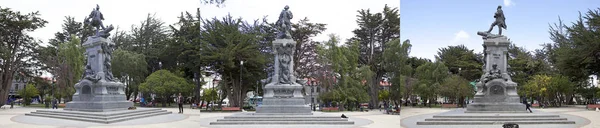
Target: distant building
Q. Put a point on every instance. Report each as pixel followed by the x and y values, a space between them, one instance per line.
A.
pixel 311 90
pixel 16 86
pixel 19 83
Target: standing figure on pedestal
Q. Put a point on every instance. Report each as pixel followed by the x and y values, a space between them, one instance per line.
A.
pixel 95 19
pixel 500 21
pixel 284 24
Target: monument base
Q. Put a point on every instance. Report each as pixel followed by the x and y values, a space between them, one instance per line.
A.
pixel 99 117
pixel 283 98
pixel 98 106
pixel 287 105
pixel 496 108
pixel 101 96
pixel 497 95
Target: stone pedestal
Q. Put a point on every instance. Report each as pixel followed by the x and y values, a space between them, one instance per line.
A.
pixel 283 99
pixel 279 96
pixel 499 94
pixel 97 92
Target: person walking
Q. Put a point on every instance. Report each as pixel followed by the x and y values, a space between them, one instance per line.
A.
pixel 180 103
pixel 54 103
pixel 527 105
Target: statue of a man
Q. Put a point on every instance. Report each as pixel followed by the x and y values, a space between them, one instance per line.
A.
pixel 89 74
pixel 494 73
pixel 284 24
pixel 96 17
pixel 499 15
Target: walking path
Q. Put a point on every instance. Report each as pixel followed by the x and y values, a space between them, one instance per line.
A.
pixel 13 118
pixel 592 117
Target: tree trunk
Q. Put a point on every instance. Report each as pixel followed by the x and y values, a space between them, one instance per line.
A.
pixel 5 83
pixel 164 101
pixel 374 89
pixel 135 95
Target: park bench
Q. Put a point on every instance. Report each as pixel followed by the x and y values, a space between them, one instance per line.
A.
pixel 592 106
pixel 535 105
pixel 330 109
pixel 449 105
pixel 230 109
pixel 61 105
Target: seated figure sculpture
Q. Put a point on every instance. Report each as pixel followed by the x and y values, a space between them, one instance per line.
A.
pixel 494 73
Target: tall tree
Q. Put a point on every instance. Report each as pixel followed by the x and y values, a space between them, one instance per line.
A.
pixel 431 76
pixel 375 29
pixel 130 68
pixel 224 44
pixel 16 47
pixel 305 63
pixel 149 39
pixel 575 49
pixel 522 64
pixel 164 84
pixel 461 60
pixel 456 88
pixel 397 66
pixel 347 77
pixel 71 64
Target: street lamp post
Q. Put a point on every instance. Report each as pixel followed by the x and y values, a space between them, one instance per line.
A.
pixel 594 90
pixel 197 90
pixel 216 91
pixel 241 70
pixel 312 99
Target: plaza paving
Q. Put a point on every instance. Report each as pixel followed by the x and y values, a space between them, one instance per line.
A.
pixel 590 119
pixel 15 118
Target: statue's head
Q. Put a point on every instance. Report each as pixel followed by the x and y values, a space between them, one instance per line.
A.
pixel 499 7
pixel 97 7
pixel 286 7
pixel 494 66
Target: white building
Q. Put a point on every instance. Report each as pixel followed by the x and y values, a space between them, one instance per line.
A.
pixel 212 81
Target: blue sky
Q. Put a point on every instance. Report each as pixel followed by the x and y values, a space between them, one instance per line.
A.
pixel 433 24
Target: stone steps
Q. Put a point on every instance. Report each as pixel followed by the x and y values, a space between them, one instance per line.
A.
pixel 283 119
pixel 497 116
pixel 99 117
pixel 281 116
pixel 493 119
pixel 490 122
pixel 282 122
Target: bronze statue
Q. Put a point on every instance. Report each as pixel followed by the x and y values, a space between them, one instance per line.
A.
pixel 284 25
pixel 89 74
pixel 285 59
pixel 95 20
pixel 494 73
pixel 500 21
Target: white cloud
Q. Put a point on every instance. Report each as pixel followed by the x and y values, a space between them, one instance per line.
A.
pixel 508 3
pixel 461 37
